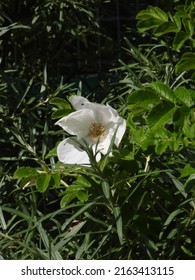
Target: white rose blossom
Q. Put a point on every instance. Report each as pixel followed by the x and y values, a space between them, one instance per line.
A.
pixel 95 123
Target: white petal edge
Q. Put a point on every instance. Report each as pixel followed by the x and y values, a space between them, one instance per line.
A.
pixel 78 122
pixel 120 131
pixel 69 152
pixel 78 102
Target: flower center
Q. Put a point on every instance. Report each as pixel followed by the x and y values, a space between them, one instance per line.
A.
pixel 96 130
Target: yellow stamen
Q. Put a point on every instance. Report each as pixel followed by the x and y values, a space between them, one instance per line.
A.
pixel 96 130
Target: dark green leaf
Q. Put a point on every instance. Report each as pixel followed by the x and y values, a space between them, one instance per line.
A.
pixel 180 39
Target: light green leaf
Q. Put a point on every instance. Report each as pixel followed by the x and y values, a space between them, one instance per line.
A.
pixel 188 170
pixel 163 91
pixel 42 182
pixel 143 98
pixel 161 147
pixel 25 172
pixel 160 115
pixel 184 96
pixel 82 196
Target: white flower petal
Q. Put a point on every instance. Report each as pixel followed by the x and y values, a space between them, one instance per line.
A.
pixel 78 123
pixel 69 152
pixel 78 102
pixel 120 131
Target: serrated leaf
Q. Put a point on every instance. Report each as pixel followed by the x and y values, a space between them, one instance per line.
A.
pixel 160 115
pixel 143 98
pixel 163 91
pixel 153 12
pixel 184 96
pixel 164 28
pixel 186 63
pixel 60 113
pixel 25 172
pixel 43 181
pixel 150 18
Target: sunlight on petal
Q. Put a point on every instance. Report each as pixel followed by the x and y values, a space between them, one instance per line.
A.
pixel 69 152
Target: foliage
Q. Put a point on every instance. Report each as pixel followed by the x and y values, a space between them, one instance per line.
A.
pixel 136 204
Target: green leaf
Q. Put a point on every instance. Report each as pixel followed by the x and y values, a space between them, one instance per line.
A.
pixel 55 180
pixel 12 26
pixel 161 147
pixel 82 196
pixel 189 27
pixel 119 222
pixel 52 153
pixel 163 91
pixel 42 182
pixel 25 172
pixel 180 39
pixel 188 170
pixel 186 63
pixel 60 102
pixel 150 18
pixel 184 96
pixel 160 115
pixel 169 220
pixel 67 198
pixel 143 98
pixel 164 28
pixel 190 183
pixel 147 24
pixel 60 113
pixel 153 12
pixel 106 189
